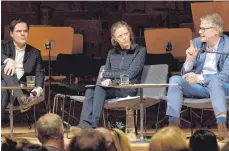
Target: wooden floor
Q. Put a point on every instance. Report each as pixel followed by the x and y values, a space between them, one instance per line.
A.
pixel 24 132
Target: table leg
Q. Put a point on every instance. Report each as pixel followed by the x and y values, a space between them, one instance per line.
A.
pixel 11 115
pixel 142 139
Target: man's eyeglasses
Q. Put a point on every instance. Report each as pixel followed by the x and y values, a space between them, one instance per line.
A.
pixel 203 29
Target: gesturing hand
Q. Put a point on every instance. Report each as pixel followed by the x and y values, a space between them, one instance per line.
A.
pixel 191 77
pixel 191 52
pixel 10 67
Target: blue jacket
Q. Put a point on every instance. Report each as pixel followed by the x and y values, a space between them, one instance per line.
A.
pixel 222 60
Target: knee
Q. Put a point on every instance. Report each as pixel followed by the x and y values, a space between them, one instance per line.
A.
pixel 5 76
pixel 99 89
pixel 176 80
pixel 214 83
pixel 89 92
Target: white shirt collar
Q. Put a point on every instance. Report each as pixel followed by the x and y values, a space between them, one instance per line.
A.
pixel 22 49
pixel 215 47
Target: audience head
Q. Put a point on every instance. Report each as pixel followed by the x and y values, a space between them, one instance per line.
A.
pixel 50 127
pixel 107 135
pixel 225 147
pixel 121 35
pixel 168 139
pixel 203 140
pixel 88 140
pixel 120 139
pixel 20 144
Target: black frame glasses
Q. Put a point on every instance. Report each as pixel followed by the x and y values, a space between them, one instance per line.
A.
pixel 203 29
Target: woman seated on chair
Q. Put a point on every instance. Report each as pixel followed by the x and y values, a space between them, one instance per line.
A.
pixel 126 57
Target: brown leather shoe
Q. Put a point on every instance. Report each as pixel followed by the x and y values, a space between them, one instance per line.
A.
pixel 222 133
pixel 29 101
pixel 24 100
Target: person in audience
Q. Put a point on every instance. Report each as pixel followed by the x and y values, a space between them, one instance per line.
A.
pixel 203 140
pixel 204 74
pixel 120 140
pixel 18 60
pixel 108 137
pixel 126 57
pixel 20 144
pixel 88 140
pixel 169 139
pixel 225 147
pixel 50 131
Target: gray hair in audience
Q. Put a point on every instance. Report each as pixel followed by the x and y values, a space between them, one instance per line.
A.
pixel 49 126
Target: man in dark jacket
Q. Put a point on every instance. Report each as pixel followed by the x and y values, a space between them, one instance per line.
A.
pixel 126 57
pixel 18 60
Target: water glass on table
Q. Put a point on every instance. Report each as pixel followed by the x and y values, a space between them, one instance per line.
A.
pixel 124 79
pixel 30 81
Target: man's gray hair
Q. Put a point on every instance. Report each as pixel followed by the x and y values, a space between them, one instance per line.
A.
pixel 215 20
pixel 49 126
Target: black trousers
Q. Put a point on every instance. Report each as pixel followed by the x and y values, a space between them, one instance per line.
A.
pixel 94 102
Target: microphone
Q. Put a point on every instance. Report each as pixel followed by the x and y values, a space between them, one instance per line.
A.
pixel 49 44
pixel 202 50
pixel 169 46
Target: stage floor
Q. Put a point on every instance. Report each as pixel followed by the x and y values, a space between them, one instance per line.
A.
pixel 24 132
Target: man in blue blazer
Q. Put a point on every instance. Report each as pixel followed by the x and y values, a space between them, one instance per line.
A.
pixel 204 75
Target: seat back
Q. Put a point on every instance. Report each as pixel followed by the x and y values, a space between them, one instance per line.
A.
pixel 156 74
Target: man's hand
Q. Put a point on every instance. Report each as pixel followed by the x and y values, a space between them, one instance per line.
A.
pixel 106 82
pixel 191 52
pixel 10 67
pixel 191 77
pixel 38 91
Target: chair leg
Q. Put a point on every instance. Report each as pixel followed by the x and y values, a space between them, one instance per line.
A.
pixel 158 112
pixel 35 119
pixel 104 118
pixel 11 116
pixel 136 122
pixel 68 125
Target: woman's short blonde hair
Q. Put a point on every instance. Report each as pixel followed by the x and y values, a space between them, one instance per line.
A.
pixel 120 140
pixel 215 20
pixel 168 139
pixel 116 26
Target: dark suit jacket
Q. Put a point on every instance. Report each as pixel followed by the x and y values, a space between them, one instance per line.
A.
pixel 32 62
